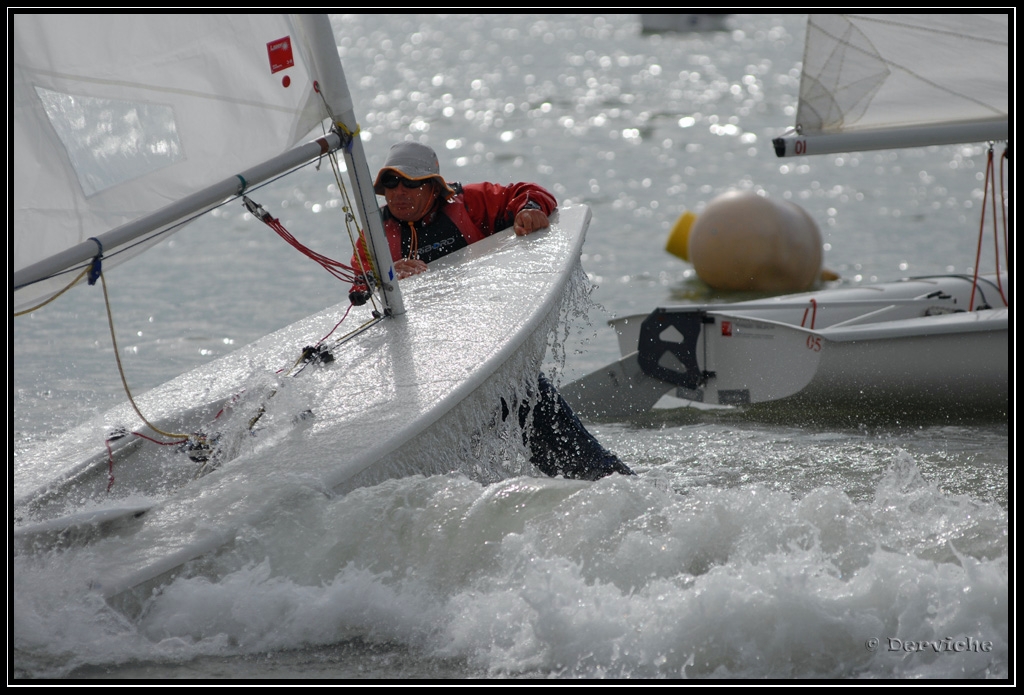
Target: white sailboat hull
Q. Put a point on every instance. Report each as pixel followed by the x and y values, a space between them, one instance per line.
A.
pixel 393 402
pixel 905 342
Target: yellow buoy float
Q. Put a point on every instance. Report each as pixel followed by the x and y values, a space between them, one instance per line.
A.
pixel 744 241
pixel 678 243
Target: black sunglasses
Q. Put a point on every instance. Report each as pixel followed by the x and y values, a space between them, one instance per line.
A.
pixel 392 181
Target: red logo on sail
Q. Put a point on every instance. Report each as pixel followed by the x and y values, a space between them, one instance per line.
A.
pixel 726 328
pixel 280 53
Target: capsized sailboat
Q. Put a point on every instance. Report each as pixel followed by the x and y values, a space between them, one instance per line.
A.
pixel 868 82
pixel 123 135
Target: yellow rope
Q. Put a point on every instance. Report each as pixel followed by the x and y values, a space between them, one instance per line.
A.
pixel 113 340
pixel 355 237
pixel 344 129
pixel 120 367
pixel 40 306
pixel 347 206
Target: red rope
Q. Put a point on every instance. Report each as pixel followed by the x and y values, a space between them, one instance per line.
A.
pixel 989 183
pixel 995 227
pixel 345 316
pixel 1006 242
pixel 1002 184
pixel 343 272
pixel 339 270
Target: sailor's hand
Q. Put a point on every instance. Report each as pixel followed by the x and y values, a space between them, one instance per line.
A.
pixel 406 267
pixel 528 221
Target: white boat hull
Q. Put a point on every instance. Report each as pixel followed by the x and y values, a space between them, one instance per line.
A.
pixel 907 342
pixel 395 401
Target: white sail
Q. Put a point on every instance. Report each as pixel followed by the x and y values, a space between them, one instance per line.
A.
pixel 116 116
pixel 887 81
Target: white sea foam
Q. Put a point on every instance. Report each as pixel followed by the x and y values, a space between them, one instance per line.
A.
pixel 619 578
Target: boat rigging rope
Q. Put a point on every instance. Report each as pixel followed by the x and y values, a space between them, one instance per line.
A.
pixel 339 270
pixel 120 368
pixel 197 441
pixel 71 284
pixel 355 237
pixel 990 183
pixel 93 270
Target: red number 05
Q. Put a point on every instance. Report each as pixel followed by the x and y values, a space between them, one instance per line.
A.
pixel 814 343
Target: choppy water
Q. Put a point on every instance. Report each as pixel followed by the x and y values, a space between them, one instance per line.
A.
pixel 751 544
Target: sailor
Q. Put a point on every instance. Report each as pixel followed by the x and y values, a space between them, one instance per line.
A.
pixel 426 218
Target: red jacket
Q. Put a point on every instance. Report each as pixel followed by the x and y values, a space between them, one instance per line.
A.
pixel 477 210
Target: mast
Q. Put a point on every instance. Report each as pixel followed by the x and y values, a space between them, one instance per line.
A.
pixel 326 66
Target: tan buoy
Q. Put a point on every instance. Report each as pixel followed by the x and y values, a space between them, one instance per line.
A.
pixel 744 241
